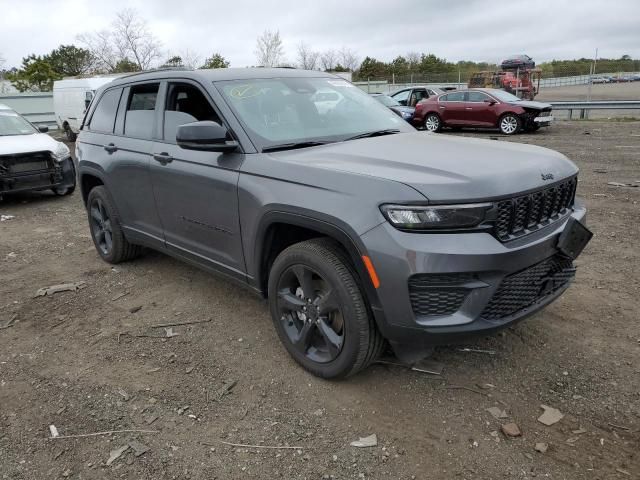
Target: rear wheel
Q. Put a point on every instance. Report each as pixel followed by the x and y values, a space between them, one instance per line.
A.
pixel 432 123
pixel 319 312
pixel 106 232
pixel 509 124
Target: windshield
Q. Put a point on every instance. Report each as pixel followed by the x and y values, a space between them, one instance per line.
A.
pixel 296 109
pixel 504 96
pixel 387 101
pixel 13 124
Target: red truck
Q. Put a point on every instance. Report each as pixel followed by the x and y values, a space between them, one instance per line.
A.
pixel 517 75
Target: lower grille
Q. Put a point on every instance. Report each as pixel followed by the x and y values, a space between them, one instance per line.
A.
pixel 521 290
pixel 438 294
pixel 25 163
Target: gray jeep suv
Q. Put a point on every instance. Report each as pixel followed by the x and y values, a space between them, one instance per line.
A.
pixel 357 228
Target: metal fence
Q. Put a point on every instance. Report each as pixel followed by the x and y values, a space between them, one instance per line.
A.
pixel 397 82
pixel 37 107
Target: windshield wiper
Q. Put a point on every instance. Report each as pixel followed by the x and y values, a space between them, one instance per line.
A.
pixel 375 133
pixel 293 146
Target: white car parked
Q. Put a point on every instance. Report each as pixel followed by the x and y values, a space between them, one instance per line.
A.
pixel 30 159
pixel 71 97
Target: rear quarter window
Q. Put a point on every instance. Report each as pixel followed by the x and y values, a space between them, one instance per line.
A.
pixel 104 116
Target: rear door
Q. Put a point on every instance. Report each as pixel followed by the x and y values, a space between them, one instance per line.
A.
pixel 452 108
pixel 130 152
pixel 196 191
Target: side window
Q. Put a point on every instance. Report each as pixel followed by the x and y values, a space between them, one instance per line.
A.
pixel 139 118
pixel 402 96
pixel 421 94
pixel 453 97
pixel 104 116
pixel 476 97
pixel 185 104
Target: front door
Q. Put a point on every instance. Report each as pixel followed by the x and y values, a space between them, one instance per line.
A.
pixel 196 192
pixel 480 111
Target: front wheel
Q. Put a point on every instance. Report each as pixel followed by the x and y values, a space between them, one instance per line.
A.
pixel 433 123
pixel 510 124
pixel 319 311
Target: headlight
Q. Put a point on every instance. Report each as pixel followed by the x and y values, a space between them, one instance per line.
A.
pixel 407 114
pixel 435 216
pixel 61 152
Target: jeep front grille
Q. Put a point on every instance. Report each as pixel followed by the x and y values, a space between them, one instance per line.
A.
pixel 521 290
pixel 521 215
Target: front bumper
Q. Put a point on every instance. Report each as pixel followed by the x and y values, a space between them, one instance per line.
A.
pixel 52 175
pixel 472 271
pixel 543 121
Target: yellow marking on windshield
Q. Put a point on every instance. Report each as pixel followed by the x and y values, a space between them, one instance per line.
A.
pixel 244 91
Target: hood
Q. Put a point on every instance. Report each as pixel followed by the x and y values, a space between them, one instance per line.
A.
pixel 532 104
pixel 35 142
pixel 441 167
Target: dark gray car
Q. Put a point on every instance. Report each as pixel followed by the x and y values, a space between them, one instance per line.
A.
pixel 357 228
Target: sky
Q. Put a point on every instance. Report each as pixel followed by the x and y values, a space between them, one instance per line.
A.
pixel 478 30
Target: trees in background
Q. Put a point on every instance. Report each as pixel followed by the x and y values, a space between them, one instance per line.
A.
pixel 215 61
pixel 129 42
pixel 35 74
pixel 307 59
pixel 269 51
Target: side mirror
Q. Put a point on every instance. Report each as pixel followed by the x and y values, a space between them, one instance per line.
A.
pixel 206 136
pixel 490 102
pixel 43 128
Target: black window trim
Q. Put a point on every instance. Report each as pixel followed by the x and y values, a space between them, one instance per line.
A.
pixel 87 122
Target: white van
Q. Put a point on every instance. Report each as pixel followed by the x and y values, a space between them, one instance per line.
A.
pixel 71 97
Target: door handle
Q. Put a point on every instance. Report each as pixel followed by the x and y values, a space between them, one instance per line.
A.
pixel 468 108
pixel 110 148
pixel 163 158
pixel 442 108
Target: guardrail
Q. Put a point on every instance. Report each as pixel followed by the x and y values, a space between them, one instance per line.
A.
pixel 584 107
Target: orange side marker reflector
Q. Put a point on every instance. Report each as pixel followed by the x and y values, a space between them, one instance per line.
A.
pixel 372 271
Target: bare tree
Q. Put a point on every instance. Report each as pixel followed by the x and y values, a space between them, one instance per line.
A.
pixel 269 51
pixel 328 60
pixel 413 59
pixel 186 58
pixel 307 58
pixel 101 48
pixel 128 40
pixel 131 37
pixel 190 59
pixel 348 59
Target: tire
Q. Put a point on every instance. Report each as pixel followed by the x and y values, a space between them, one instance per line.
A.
pixel 71 136
pixel 509 124
pixel 106 232
pixel 340 337
pixel 432 123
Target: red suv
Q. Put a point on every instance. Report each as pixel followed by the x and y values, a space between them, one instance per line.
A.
pixel 482 108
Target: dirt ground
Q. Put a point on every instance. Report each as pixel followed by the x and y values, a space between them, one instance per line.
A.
pixel 89 361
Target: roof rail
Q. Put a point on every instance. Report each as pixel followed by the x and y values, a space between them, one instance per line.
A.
pixel 161 69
